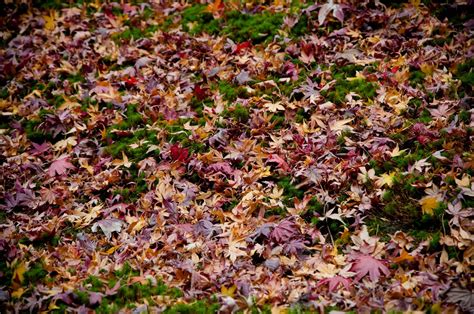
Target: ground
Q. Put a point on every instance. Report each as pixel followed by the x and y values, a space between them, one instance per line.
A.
pixel 281 156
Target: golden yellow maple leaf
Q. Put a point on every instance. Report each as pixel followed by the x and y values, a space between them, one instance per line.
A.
pixel 228 291
pixel 49 21
pixel 428 203
pixel 18 274
pixel 18 293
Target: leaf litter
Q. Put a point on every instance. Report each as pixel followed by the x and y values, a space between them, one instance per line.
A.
pixel 236 156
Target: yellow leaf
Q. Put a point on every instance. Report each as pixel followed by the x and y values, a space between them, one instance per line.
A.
pixel 415 3
pixel 112 250
pixel 18 293
pixel 18 274
pixel 228 291
pixel 52 306
pixel 49 21
pixel 428 203
pixel 386 179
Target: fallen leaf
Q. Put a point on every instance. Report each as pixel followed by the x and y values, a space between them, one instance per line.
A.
pixel 108 226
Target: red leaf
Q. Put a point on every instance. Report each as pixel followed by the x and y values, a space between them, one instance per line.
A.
pixel 199 92
pixel 242 46
pixel 178 153
pixel 131 81
pixel 280 161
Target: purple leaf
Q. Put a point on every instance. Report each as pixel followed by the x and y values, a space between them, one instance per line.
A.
pixel 60 166
pixel 285 231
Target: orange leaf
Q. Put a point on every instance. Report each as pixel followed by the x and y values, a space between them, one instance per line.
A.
pixel 404 256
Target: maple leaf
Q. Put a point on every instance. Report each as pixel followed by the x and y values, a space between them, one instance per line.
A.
pixel 428 203
pixel 367 265
pixel 60 166
pixel 280 161
pixel 328 7
pixel 458 213
pixel 284 231
pixel 235 249
pixel 274 107
pixel 50 21
pixel 335 282
pixel 178 153
pixel 462 296
pixel 108 226
pixel 386 179
pixel 404 256
pixel 242 46
pixel 40 149
pixel 243 77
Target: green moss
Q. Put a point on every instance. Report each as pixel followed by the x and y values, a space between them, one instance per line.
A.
pixel 198 307
pixel 126 271
pixel 290 190
pixel 416 77
pixel 132 194
pixel 301 28
pixel 199 20
pixel 34 133
pixel 81 297
pixel 366 90
pixel 6 273
pixel 240 113
pixel 301 116
pixel 464 72
pixel 95 283
pixel 314 207
pixel 277 211
pixel 74 78
pixel 254 27
pixel 4 93
pixel 135 33
pixel 345 71
pixel 230 92
pixel 35 274
pixel 278 120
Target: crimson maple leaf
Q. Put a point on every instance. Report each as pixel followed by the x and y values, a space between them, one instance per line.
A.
pixel 178 153
pixel 366 264
pixel 60 166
